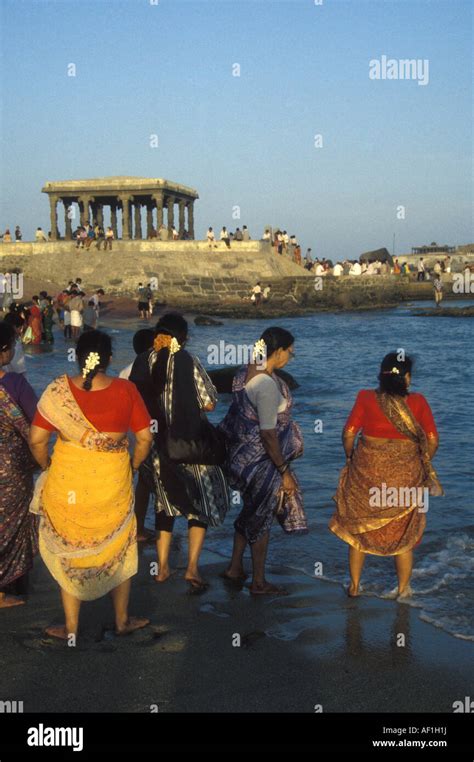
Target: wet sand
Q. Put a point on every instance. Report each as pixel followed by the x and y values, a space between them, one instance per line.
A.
pixel 314 647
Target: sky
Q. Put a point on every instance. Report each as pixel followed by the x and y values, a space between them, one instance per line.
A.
pixel 394 157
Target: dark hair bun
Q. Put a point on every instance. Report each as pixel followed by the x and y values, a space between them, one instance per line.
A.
pixel 392 373
pixel 277 338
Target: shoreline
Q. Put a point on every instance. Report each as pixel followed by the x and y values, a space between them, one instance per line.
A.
pixel 124 307
pixel 314 647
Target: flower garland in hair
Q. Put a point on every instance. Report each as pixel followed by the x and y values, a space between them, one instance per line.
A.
pixel 390 372
pixel 92 360
pixel 164 340
pixel 259 349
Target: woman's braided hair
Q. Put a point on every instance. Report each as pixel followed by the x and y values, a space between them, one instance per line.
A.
pixel 93 352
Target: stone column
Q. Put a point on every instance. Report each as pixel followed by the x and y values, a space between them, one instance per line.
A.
pixel 125 200
pixel 149 218
pixel 130 218
pixel 191 219
pixel 158 199
pixel 67 219
pixel 182 207
pixel 84 209
pixel 53 200
pixel 100 214
pixel 138 219
pixel 113 218
pixel 170 204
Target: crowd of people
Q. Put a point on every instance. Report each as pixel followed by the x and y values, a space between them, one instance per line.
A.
pixel 227 237
pixel 71 309
pixel 86 235
pixel 188 467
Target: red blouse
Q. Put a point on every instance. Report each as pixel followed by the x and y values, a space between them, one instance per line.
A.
pixel 366 415
pixel 117 408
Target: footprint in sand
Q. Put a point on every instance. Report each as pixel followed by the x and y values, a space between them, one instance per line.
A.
pixel 166 641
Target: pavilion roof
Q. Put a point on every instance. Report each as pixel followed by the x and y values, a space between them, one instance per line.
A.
pixel 117 183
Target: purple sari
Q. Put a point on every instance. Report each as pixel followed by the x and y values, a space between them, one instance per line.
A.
pixel 250 470
pixel 18 528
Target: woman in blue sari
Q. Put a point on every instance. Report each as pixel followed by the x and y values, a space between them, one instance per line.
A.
pixel 262 442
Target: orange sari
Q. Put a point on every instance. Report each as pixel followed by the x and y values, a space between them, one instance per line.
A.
pixel 403 464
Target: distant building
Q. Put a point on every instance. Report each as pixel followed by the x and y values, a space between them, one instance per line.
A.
pixel 433 248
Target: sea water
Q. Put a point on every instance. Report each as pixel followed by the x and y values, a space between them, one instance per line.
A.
pixel 335 356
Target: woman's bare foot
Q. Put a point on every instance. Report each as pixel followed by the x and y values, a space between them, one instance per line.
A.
pixel 164 574
pixel 234 576
pixel 196 581
pixel 133 623
pixel 406 592
pixel 353 591
pixel 7 601
pixel 59 631
pixel 266 588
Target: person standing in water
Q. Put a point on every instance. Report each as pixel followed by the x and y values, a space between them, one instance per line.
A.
pixel 263 441
pixel 398 440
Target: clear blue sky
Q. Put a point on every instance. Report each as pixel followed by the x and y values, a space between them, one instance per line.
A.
pixel 248 140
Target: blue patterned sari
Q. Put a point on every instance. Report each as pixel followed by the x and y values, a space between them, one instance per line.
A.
pixel 250 470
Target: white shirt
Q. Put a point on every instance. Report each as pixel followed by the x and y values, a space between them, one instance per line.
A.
pixel 125 372
pixel 224 233
pixel 319 269
pixel 337 270
pixel 264 393
pixel 356 269
pixel 421 267
pixel 257 290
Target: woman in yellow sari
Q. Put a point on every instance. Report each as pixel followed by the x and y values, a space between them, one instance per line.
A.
pixel 383 489
pixel 87 535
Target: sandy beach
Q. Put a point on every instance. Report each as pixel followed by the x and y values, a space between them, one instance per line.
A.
pixel 312 648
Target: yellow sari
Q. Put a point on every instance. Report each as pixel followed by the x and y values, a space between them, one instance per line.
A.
pixel 87 534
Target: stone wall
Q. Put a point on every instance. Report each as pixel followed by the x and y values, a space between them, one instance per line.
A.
pixel 182 271
pixel 189 276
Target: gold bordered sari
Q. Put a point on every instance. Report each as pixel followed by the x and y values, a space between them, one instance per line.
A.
pixel 87 535
pixel 400 463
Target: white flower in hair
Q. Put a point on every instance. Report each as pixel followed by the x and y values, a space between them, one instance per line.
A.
pixel 396 371
pixel 92 360
pixel 259 349
pixel 174 346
